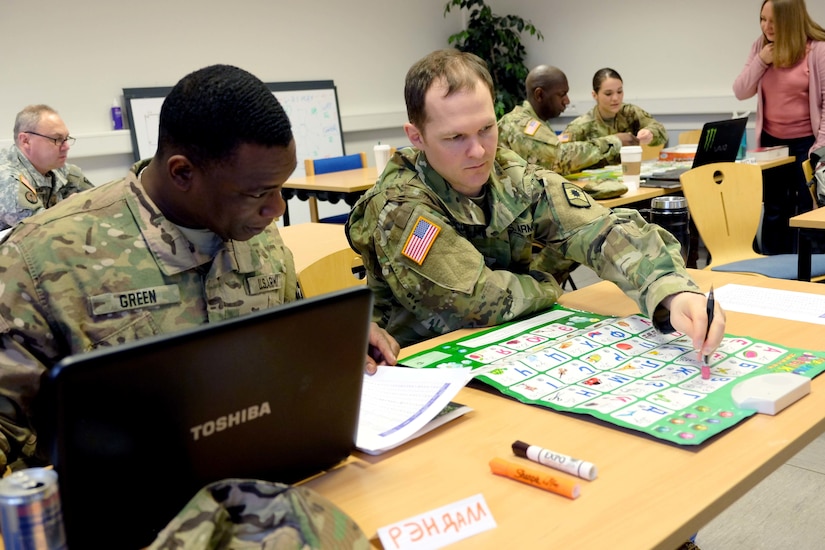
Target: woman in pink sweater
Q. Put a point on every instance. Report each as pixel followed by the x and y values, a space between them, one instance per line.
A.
pixel 786 71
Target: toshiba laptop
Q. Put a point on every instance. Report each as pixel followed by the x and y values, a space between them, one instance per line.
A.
pixel 719 142
pixel 141 427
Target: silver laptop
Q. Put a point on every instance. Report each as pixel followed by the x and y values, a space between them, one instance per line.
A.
pixel 138 429
pixel 719 142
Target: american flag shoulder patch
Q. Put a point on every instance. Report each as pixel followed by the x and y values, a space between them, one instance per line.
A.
pixel 420 241
pixel 532 127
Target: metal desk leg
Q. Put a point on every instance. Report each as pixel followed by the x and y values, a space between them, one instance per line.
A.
pixel 803 255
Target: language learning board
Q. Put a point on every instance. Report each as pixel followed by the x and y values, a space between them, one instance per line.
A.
pixel 620 370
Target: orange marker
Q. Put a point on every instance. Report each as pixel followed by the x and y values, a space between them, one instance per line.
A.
pixel 555 483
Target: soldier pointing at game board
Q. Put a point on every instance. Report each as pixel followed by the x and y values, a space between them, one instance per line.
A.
pixel 458 233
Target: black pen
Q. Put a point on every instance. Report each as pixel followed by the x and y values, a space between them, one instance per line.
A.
pixel 711 307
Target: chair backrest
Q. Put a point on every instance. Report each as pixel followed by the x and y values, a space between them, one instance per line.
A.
pixel 809 176
pixel 725 202
pixel 690 136
pixel 807 170
pixel 335 164
pixel 651 152
pixel 333 272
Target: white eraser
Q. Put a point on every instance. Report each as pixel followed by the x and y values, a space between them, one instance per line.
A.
pixel 770 393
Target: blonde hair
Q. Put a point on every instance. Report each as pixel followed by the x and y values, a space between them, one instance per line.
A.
pixel 794 27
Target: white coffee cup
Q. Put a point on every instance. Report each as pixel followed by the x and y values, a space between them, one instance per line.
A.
pixel 631 166
pixel 382 157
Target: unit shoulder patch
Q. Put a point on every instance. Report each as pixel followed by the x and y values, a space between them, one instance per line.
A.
pixel 575 195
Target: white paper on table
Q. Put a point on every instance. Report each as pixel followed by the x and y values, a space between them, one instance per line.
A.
pixel 396 402
pixel 769 302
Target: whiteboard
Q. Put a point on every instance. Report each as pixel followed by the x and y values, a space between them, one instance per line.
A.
pixel 312 108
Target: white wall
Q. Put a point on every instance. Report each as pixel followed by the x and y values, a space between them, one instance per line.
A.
pixel 77 56
pixel 678 58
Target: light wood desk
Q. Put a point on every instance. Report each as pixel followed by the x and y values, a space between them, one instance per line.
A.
pixel 647 193
pixel 346 185
pixel 312 241
pixel 648 495
pixel 810 225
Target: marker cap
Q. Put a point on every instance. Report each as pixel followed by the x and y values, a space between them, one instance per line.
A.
pixel 520 449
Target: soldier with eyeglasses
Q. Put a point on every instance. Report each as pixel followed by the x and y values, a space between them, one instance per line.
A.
pixel 34 174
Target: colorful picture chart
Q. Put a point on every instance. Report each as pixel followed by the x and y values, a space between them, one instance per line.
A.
pixel 620 370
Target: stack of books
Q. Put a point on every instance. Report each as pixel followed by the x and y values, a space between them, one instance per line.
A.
pixel 761 154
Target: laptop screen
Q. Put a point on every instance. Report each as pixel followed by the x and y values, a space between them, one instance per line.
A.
pixel 139 428
pixel 720 141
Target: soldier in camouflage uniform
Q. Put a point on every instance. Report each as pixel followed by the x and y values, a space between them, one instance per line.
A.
pixel 526 131
pixel 447 235
pixel 611 116
pixel 33 172
pixel 186 238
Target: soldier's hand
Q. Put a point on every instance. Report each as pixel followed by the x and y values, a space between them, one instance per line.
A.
pixel 644 136
pixel 688 314
pixel 383 349
pixel 627 138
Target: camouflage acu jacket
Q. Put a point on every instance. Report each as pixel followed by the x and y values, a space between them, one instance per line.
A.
pixel 105 267
pixel 437 261
pixel 629 119
pixel 24 190
pixel 522 131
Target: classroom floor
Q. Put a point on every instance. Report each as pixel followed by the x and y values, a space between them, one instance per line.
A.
pixel 783 511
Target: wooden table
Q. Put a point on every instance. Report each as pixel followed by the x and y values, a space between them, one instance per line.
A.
pixel 346 185
pixel 312 241
pixel 810 225
pixel 648 494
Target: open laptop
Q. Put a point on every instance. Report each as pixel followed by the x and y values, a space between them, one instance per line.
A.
pixel 719 142
pixel 140 428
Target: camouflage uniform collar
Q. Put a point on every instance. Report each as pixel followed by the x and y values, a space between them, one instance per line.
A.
pixel 38 179
pixel 529 110
pixel 461 208
pixel 499 189
pixel 615 121
pixel 169 246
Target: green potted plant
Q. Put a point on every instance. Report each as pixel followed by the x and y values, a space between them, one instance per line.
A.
pixel 497 40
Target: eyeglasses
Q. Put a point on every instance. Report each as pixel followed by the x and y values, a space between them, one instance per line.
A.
pixel 58 141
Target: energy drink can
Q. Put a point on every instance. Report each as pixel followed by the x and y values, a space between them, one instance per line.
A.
pixel 30 515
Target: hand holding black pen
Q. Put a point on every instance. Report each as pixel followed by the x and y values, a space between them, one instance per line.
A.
pixel 710 309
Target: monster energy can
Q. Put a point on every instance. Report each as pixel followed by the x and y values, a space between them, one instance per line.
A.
pixel 30 514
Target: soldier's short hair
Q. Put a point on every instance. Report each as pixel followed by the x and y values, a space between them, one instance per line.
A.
pixel 214 110
pixel 459 70
pixel 28 119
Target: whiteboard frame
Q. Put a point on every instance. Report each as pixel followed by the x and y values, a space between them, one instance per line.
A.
pixel 143 113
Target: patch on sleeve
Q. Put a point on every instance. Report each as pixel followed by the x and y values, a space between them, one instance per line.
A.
pixel 575 195
pixel 564 137
pixel 420 241
pixel 532 127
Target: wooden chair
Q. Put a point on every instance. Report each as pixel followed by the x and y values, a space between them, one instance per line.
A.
pixel 335 271
pixel 809 176
pixel 725 202
pixel 690 136
pixel 651 152
pixel 325 166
